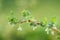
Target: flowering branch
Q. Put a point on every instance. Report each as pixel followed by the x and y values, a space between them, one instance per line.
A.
pixel 27 17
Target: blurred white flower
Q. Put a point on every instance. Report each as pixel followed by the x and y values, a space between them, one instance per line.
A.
pixel 52 32
pixel 49 31
pixel 54 24
pixel 46 29
pixel 19 29
pixel 34 28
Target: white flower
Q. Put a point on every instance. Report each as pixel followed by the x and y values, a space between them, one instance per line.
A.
pixel 52 32
pixel 19 29
pixel 46 29
pixel 49 31
pixel 34 28
pixel 54 25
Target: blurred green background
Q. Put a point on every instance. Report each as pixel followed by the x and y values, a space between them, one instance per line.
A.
pixel 38 8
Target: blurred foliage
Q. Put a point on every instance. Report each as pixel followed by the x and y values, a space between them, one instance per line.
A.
pixel 38 8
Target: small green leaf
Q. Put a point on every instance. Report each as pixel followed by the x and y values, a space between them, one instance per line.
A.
pixel 12 18
pixel 53 20
pixel 43 22
pixel 26 13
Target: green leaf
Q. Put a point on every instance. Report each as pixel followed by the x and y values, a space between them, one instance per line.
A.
pixel 12 18
pixel 53 20
pixel 26 13
pixel 44 20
